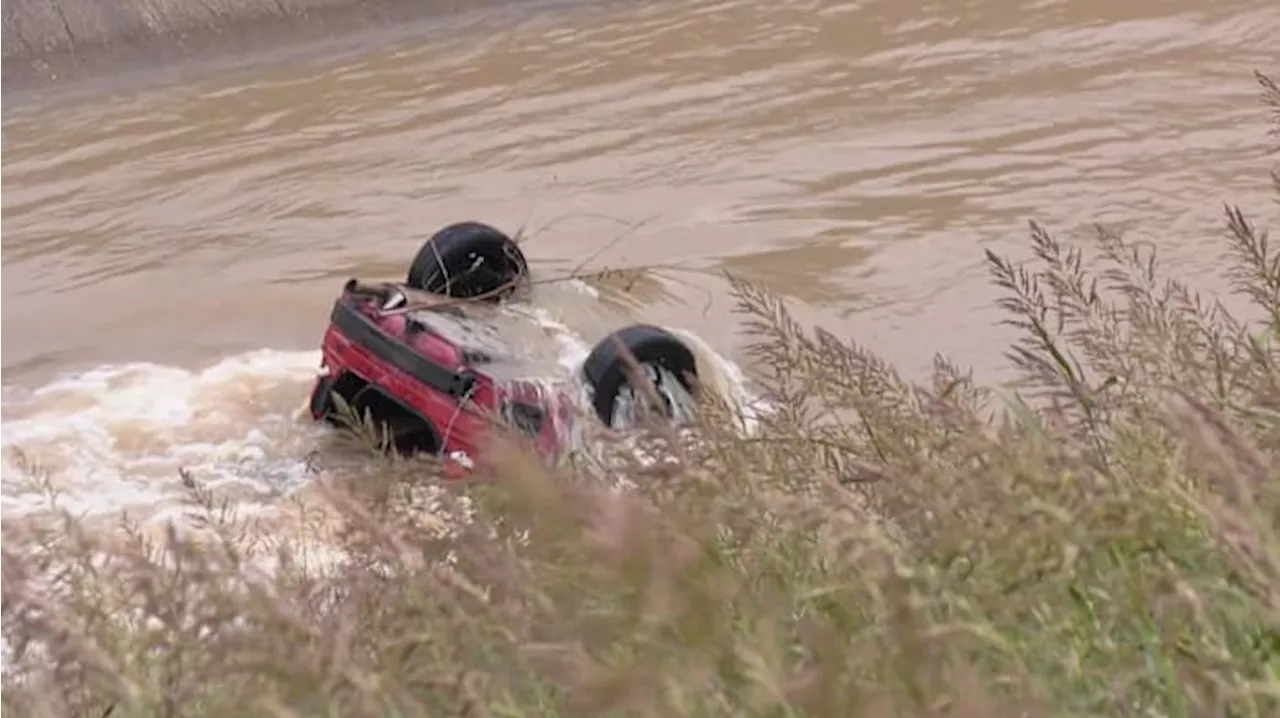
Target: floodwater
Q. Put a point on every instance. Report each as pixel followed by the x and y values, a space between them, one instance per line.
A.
pixel 172 252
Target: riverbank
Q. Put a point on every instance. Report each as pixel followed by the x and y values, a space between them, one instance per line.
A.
pixel 58 46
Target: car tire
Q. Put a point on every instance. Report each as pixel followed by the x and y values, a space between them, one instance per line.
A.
pixel 606 369
pixel 321 402
pixel 468 260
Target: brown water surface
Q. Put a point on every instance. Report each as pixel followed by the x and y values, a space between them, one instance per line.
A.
pixel 854 156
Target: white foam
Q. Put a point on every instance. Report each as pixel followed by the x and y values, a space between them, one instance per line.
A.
pixel 116 437
pixel 572 349
pixel 582 287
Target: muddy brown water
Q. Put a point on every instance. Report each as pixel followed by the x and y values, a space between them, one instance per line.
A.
pixel 171 251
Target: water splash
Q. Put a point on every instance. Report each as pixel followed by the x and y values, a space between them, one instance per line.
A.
pixel 116 437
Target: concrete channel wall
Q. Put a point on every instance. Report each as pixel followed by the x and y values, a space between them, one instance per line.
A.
pixel 52 41
pixel 33 28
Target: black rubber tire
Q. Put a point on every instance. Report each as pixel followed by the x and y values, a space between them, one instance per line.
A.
pixel 606 369
pixel 321 402
pixel 447 263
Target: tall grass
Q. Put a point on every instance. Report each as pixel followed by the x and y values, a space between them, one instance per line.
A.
pixel 1101 539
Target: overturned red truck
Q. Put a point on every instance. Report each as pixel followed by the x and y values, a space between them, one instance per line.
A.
pixel 426 360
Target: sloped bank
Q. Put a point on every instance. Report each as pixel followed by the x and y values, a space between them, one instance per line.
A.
pixel 54 42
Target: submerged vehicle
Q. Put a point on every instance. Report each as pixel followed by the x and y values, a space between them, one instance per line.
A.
pixel 432 362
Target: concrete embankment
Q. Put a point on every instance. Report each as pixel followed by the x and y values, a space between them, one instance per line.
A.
pixel 58 41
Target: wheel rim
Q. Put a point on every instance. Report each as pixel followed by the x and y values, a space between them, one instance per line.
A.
pixel 631 406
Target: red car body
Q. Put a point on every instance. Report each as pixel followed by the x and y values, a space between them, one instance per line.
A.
pixel 399 366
